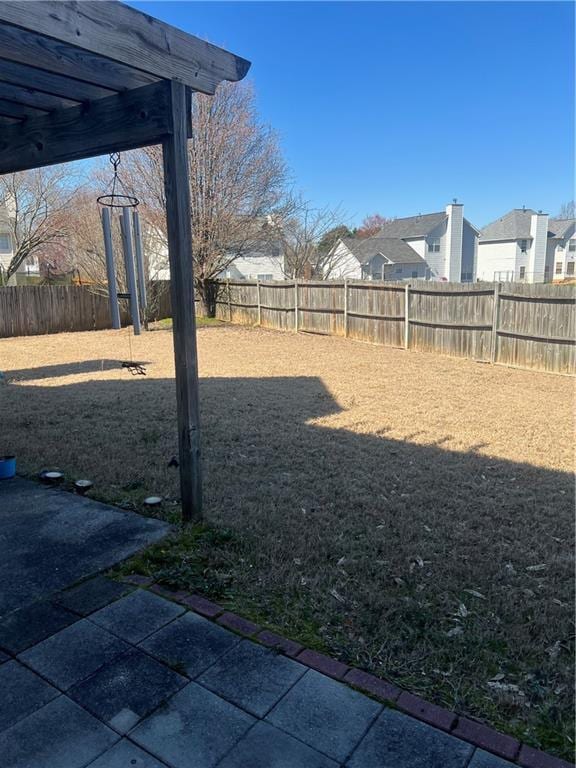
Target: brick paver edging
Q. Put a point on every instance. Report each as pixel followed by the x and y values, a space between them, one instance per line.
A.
pixel 464 728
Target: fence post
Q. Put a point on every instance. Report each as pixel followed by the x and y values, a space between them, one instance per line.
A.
pixel 259 304
pixel 229 301
pixel 345 308
pixel 296 305
pixel 407 316
pixel 495 320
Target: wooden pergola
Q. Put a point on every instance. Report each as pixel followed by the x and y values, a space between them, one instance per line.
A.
pixel 80 79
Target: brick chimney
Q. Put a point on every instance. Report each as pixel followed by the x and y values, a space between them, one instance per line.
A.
pixel 537 252
pixel 454 231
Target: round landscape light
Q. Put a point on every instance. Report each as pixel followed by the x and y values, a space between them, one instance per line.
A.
pixel 82 486
pixel 153 501
pixel 52 477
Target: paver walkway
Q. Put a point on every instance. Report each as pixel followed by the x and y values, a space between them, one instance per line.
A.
pixel 106 675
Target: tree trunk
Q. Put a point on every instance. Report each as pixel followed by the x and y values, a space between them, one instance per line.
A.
pixel 208 294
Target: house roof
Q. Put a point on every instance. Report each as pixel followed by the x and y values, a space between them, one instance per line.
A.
pixel 394 249
pixel 514 225
pixel 560 228
pixel 412 226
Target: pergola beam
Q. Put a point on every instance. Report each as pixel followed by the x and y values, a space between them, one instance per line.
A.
pixel 32 98
pixel 130 37
pixel 66 86
pixel 137 118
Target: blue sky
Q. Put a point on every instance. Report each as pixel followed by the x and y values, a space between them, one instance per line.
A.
pixel 396 108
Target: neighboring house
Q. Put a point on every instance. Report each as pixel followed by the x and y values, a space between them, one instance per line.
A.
pixel 30 266
pixel 257 265
pixel 433 246
pixel 525 245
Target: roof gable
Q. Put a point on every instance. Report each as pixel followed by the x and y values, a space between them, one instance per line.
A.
pixel 392 248
pixel 560 228
pixel 412 226
pixel 512 226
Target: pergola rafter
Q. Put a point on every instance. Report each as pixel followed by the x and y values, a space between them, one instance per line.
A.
pixel 79 79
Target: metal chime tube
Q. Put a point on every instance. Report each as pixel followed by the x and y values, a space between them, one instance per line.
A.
pixel 139 259
pixel 130 271
pixel 110 271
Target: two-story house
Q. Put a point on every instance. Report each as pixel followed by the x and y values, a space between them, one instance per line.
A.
pixel 432 246
pixel 526 245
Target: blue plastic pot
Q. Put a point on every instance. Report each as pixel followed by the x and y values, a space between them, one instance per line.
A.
pixel 7 467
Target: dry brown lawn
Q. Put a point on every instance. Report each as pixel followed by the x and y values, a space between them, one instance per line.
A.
pixel 411 513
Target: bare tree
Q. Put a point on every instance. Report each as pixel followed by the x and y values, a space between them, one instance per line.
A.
pixel 37 204
pixel 371 225
pixel 567 210
pixel 302 234
pixel 237 181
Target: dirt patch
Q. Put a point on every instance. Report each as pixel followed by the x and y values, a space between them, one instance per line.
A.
pixel 412 513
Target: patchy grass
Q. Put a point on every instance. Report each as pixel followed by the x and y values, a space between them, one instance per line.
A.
pixel 409 513
pixel 201 322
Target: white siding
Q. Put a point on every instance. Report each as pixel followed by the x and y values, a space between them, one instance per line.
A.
pixel 469 253
pixel 538 247
pixel 454 236
pixel 496 259
pixel 256 266
pixel 345 264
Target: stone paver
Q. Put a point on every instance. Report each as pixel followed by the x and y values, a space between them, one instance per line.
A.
pixel 52 539
pixel 92 595
pixel 194 728
pixel 483 759
pixel 136 616
pixel 190 642
pixel 252 677
pixel 26 627
pixel 266 747
pixel 74 653
pixel 399 741
pixel 126 690
pixel 325 714
pixel 60 735
pixel 21 693
pixel 124 754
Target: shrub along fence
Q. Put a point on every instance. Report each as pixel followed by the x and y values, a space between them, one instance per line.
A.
pixel 529 326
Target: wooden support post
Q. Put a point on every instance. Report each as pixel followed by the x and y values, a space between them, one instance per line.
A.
pixel 110 270
pixel 296 306
pixel 229 301
pixel 495 321
pixel 407 316
pixel 177 191
pixel 346 308
pixel 259 302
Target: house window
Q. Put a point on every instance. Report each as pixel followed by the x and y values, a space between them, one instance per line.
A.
pixel 434 245
pixel 466 277
pixel 572 245
pixel 522 273
pixel 265 278
pixel 570 268
pixel 415 273
pixel 398 271
pixel 558 267
pixel 523 245
pixel 5 243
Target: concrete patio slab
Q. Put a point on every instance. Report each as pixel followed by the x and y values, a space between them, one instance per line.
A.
pixel 325 714
pixel 124 754
pixel 398 741
pixel 92 595
pixel 252 677
pixel 51 539
pixel 60 735
pixel 74 653
pixel 195 728
pixel 126 690
pixel 27 626
pixel 21 693
pixel 136 616
pixel 266 747
pixel 190 642
pixel 483 759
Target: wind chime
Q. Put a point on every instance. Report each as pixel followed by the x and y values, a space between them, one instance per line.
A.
pixel 118 200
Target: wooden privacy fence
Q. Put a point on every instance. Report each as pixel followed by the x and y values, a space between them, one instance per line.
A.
pixel 29 310
pixel 528 326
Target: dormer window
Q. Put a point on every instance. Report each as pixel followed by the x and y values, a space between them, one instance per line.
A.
pixel 5 243
pixel 572 245
pixel 523 245
pixel 434 245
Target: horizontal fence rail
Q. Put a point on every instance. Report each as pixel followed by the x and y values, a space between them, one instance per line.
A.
pixel 522 325
pixel 527 326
